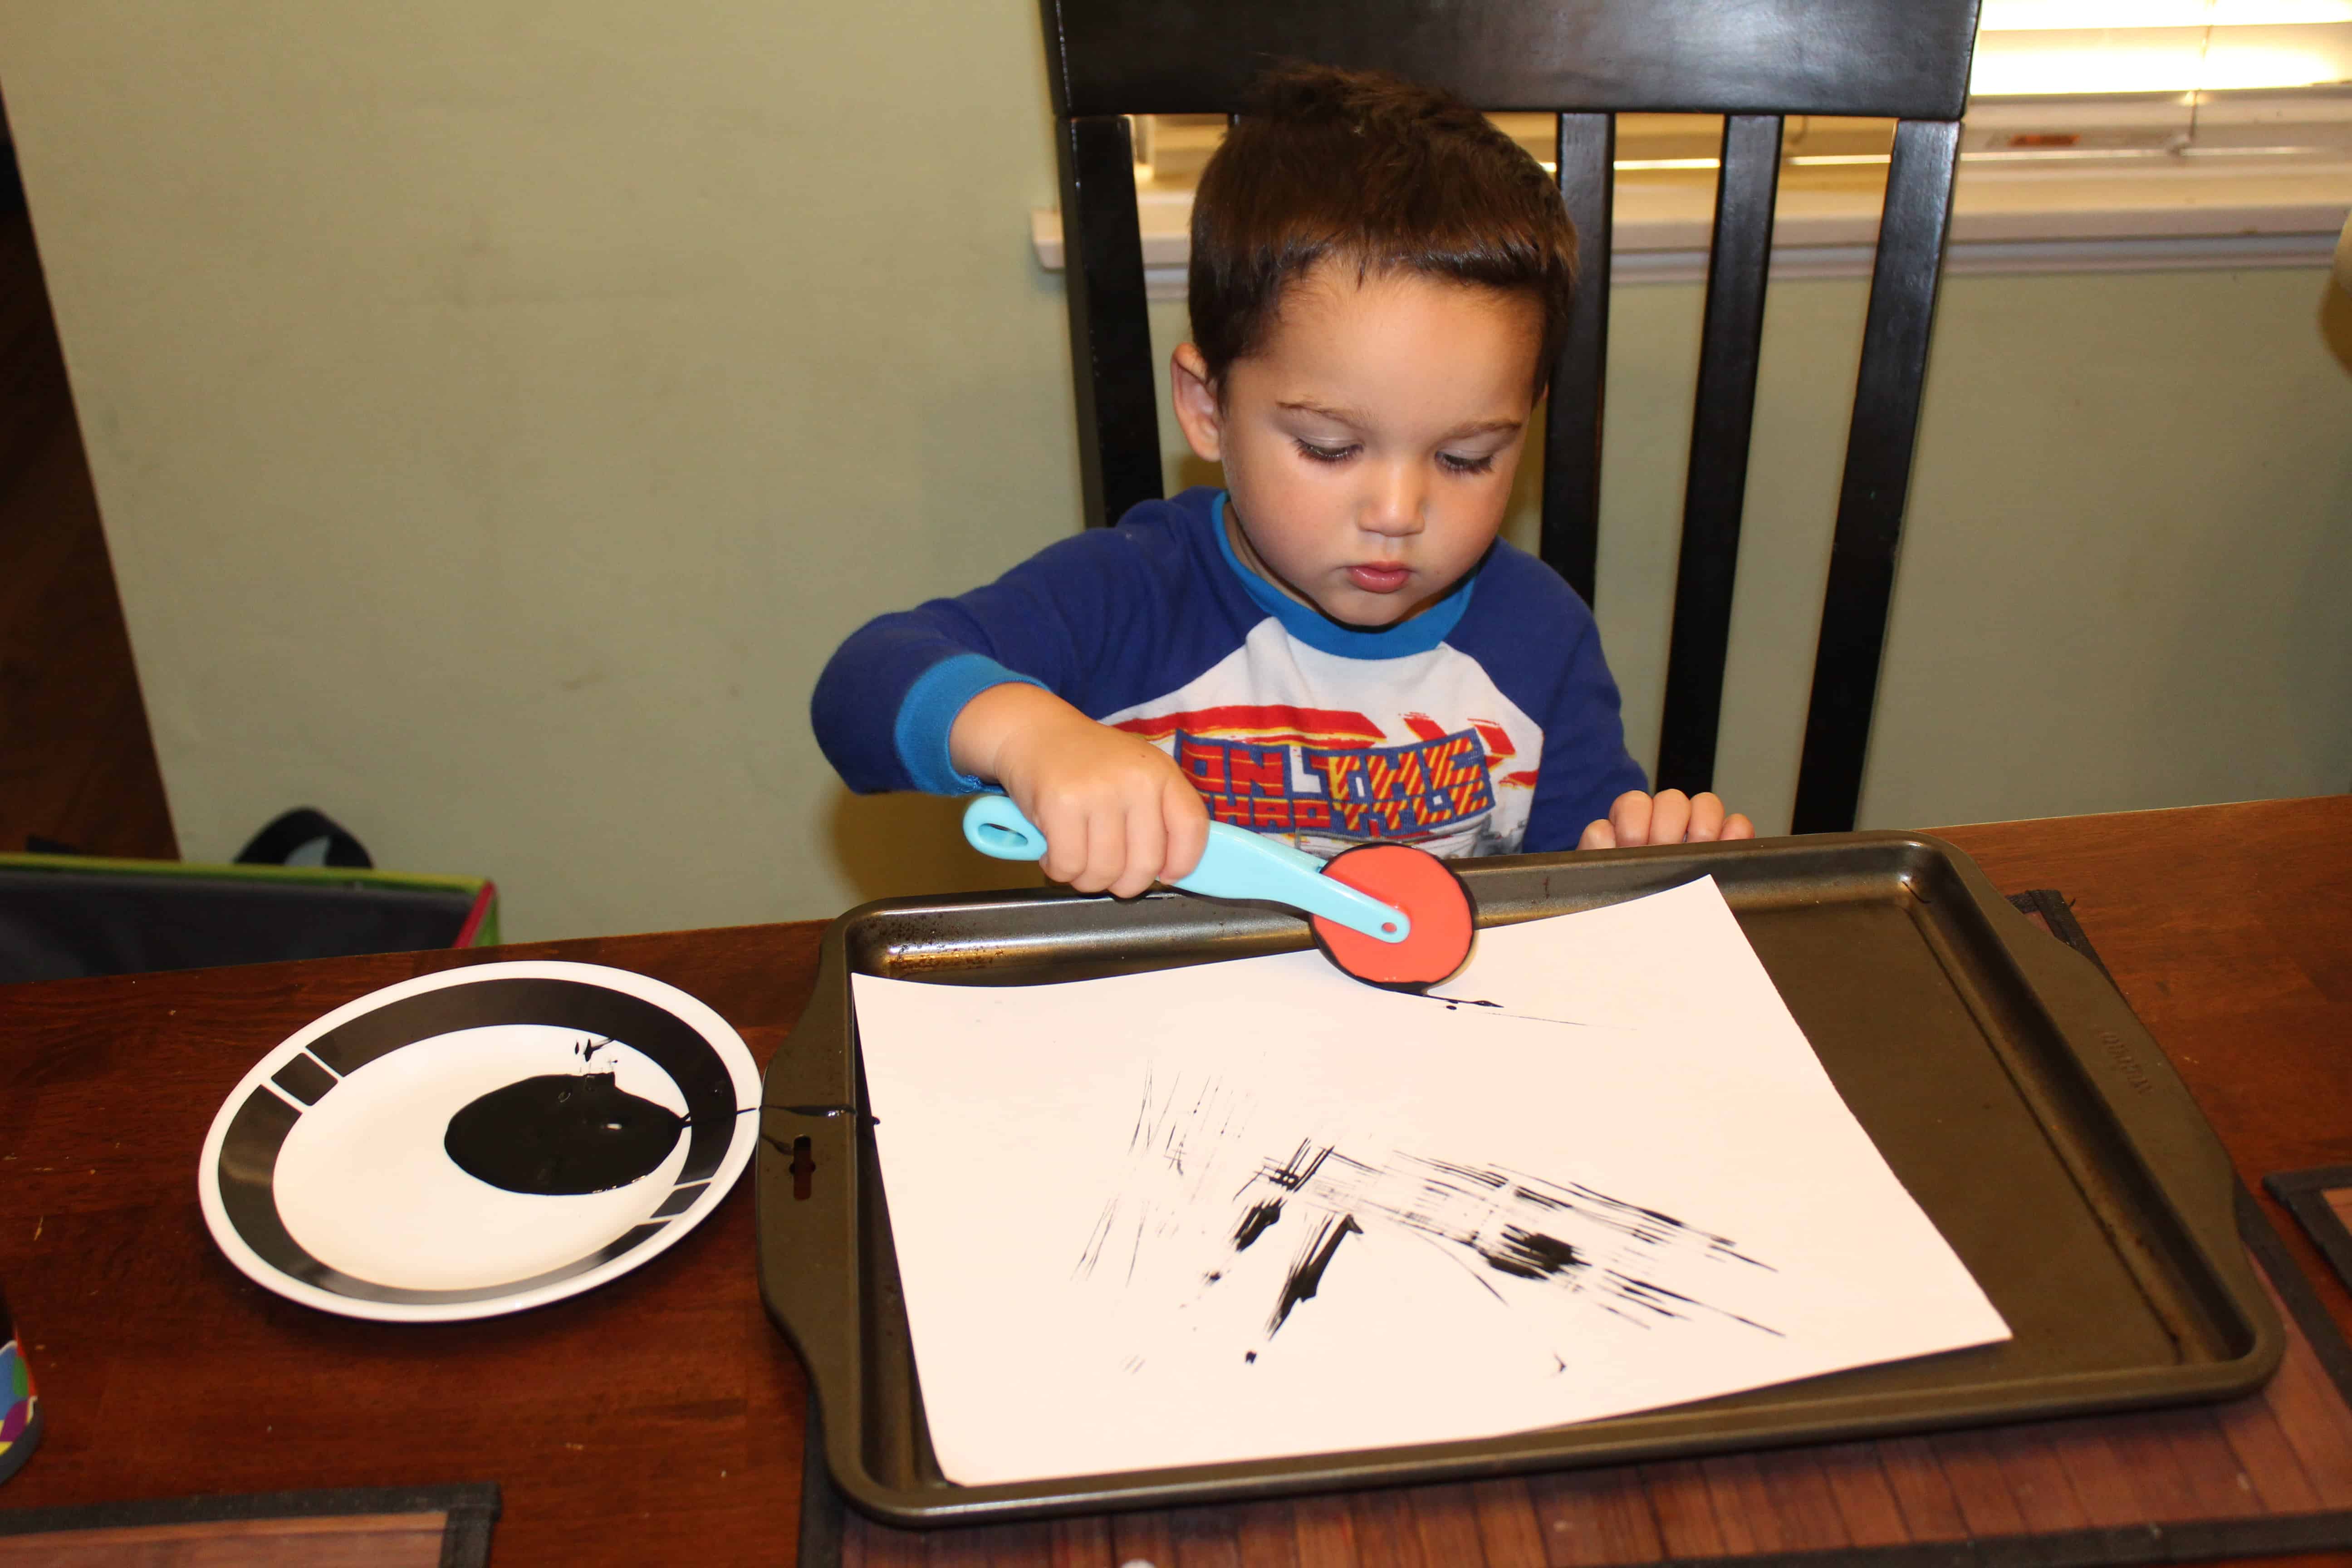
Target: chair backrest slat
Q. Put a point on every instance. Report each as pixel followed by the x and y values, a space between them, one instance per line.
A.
pixel 1907 60
pixel 1879 448
pixel 1571 499
pixel 1112 370
pixel 1721 417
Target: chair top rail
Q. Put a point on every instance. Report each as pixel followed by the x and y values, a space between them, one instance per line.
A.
pixel 1905 59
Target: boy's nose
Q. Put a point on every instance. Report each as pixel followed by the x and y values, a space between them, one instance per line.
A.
pixel 1394 506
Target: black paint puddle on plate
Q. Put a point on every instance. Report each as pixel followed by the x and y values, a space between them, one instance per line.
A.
pixel 562 1135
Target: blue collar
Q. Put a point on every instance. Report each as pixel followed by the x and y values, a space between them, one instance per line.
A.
pixel 1320 632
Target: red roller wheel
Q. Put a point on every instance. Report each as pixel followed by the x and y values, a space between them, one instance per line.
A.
pixel 1426 889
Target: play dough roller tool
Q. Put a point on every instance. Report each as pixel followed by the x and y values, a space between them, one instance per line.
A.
pixel 1388 914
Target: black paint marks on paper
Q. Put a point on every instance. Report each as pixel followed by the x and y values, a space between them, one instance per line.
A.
pixel 1261 1218
pixel 1494 1221
pixel 1305 1276
pixel 1456 1003
pixel 562 1134
pixel 1203 1203
pixel 1532 1255
pixel 1178 1134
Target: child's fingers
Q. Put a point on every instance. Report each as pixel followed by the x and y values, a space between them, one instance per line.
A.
pixel 1597 835
pixel 1106 850
pixel 1187 822
pixel 1065 859
pixel 1736 826
pixel 1669 816
pixel 1085 843
pixel 1629 818
pixel 1146 843
pixel 1705 818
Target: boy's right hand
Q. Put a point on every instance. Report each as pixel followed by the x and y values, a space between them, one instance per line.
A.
pixel 1117 813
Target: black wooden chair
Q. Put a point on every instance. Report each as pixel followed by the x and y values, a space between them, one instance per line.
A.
pixel 1754 62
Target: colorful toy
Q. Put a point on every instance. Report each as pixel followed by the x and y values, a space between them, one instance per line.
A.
pixel 20 1406
pixel 1388 914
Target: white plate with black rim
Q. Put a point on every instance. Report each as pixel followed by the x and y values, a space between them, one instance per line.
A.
pixel 479 1142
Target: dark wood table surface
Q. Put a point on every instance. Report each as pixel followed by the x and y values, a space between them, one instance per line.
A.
pixel 659 1418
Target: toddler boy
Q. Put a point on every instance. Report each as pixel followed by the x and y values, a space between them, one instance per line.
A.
pixel 1336 648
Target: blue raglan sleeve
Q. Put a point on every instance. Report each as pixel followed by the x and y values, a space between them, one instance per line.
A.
pixel 1585 763
pixel 891 694
pixel 1539 642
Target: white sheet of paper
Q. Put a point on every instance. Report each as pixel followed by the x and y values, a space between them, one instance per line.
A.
pixel 1252 1209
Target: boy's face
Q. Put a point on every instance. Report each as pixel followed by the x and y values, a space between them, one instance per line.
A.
pixel 1370 445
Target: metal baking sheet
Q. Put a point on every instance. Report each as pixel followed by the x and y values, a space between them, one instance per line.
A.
pixel 2008 1085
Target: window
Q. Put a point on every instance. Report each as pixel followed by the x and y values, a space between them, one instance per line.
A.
pixel 2100 134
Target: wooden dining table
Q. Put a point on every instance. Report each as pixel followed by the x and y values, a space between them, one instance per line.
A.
pixel 660 1418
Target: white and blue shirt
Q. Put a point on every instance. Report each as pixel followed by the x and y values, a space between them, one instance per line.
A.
pixel 1487 724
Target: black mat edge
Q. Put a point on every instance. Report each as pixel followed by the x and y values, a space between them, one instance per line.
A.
pixel 823 1522
pixel 469 1510
pixel 2294 1290
pixel 2201 1542
pixel 2302 1193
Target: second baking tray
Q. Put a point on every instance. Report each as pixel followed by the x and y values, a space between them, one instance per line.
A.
pixel 2005 1081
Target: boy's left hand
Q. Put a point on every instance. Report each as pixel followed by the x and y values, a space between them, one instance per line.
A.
pixel 1670 816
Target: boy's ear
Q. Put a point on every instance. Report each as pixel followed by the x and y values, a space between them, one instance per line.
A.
pixel 1195 396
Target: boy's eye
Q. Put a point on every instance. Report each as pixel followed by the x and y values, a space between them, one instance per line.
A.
pixel 1340 454
pixel 1458 464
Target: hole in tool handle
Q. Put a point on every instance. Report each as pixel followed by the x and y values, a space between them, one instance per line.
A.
pixel 1433 897
pixel 994 826
pixel 803 1166
pixel 1005 844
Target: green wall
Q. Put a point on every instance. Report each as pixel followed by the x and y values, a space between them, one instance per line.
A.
pixel 500 412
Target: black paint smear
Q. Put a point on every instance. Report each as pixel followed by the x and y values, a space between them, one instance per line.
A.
pixel 1566 1236
pixel 1510 1233
pixel 1532 1257
pixel 1642 1293
pixel 1306 1276
pixel 1495 1179
pixel 1257 1223
pixel 1456 1003
pixel 1300 1168
pixel 1180 1131
pixel 562 1135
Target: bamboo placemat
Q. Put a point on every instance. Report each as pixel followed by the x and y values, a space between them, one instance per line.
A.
pixel 2268 1473
pixel 363 1527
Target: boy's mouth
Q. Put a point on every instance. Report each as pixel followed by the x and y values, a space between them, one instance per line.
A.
pixel 1380 577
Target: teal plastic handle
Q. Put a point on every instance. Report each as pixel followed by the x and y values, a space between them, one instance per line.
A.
pixel 1237 863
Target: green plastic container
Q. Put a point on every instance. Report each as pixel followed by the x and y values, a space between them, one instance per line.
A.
pixel 71 916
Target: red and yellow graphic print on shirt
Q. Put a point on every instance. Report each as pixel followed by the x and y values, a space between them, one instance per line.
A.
pixel 1330 752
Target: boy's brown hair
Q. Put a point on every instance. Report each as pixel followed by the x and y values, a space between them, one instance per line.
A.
pixel 1369 168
